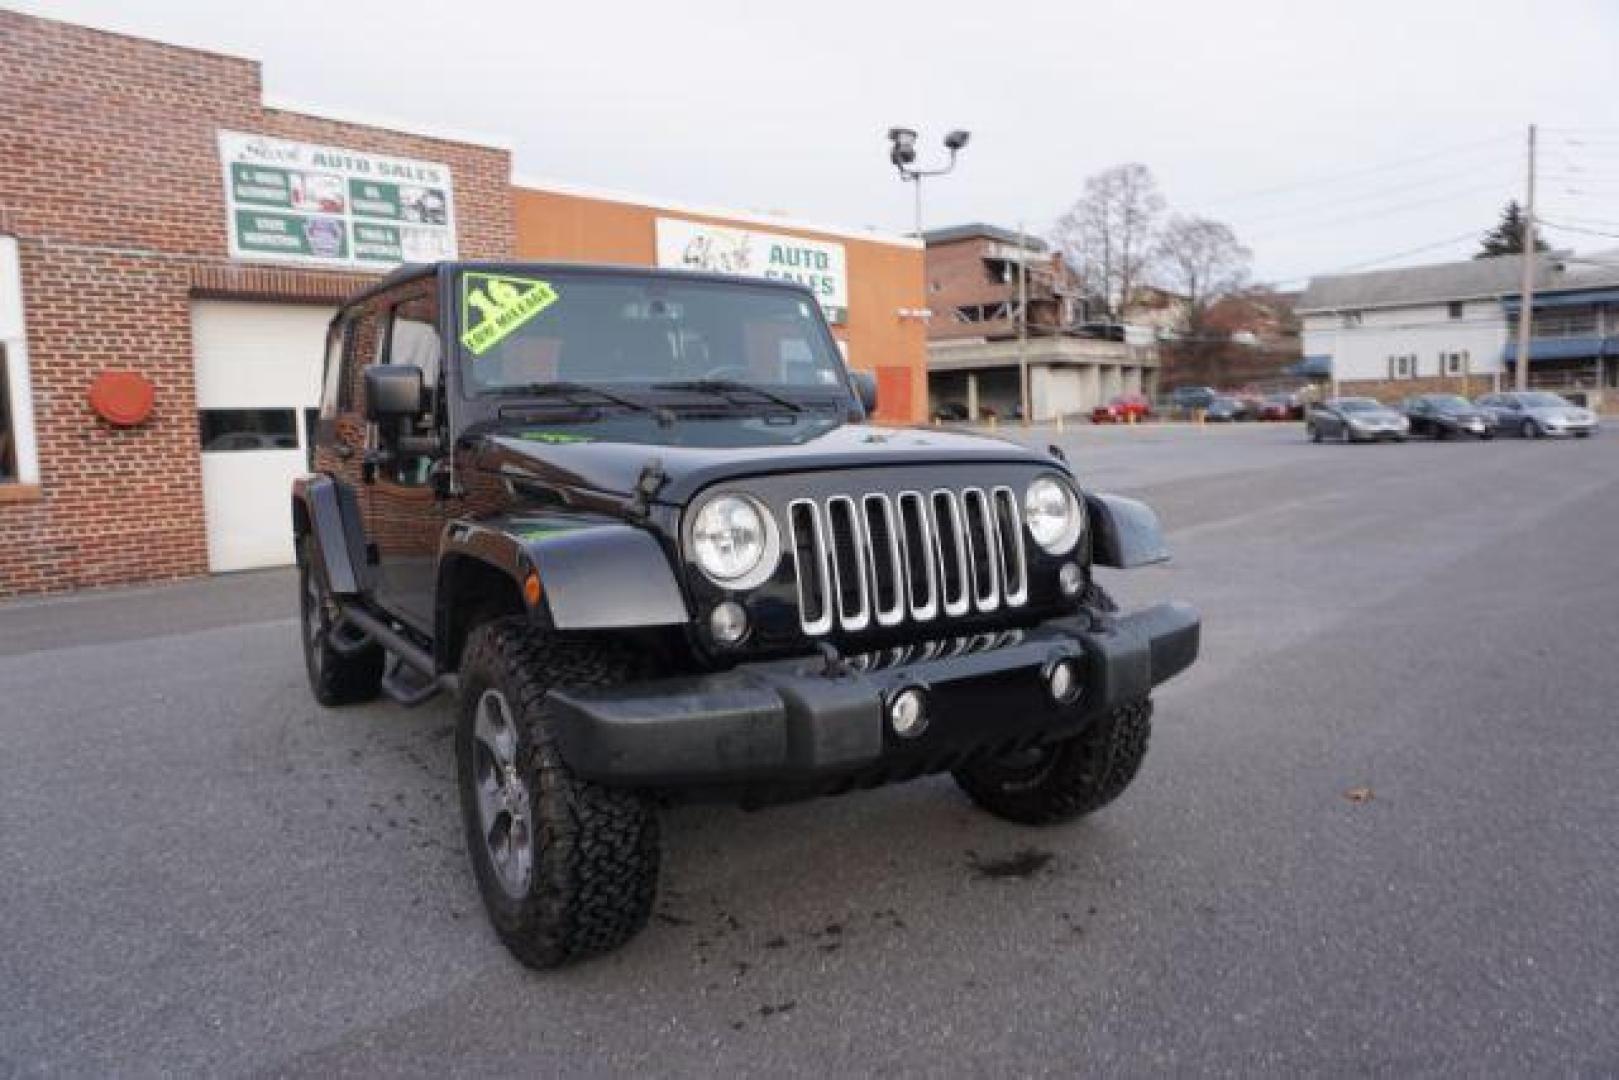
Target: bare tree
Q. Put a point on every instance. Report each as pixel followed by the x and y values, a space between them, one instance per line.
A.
pixel 1108 234
pixel 1202 260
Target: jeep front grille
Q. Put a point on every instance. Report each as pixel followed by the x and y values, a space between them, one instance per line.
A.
pixel 880 559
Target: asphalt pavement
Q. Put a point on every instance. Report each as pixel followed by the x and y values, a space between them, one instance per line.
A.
pixel 1377 831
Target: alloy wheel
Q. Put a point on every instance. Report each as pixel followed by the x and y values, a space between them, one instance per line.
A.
pixel 505 817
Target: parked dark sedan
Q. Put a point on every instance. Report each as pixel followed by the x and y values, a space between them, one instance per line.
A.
pixel 1225 410
pixel 1439 416
pixel 1356 419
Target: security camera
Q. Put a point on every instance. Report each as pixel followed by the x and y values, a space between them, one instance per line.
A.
pixel 957 140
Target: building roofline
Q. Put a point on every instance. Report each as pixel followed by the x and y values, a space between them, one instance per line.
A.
pixel 748 217
pixel 112 28
pixel 974 230
pixel 386 123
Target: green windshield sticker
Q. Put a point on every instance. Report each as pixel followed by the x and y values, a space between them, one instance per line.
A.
pixel 556 438
pixel 493 305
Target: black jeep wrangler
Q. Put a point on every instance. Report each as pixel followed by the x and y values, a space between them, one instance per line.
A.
pixel 638 522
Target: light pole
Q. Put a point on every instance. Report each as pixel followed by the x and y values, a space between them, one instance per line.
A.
pixel 902 153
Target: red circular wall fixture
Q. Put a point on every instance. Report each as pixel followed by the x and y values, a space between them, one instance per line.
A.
pixel 122 397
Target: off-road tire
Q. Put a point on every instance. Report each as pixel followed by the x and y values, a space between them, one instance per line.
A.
pixel 1073 778
pixel 595 851
pixel 335 678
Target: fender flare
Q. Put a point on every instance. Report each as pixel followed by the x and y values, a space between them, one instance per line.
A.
pixel 1125 533
pixel 593 575
pixel 327 511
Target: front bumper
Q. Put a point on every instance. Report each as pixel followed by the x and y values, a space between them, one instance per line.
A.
pixel 1566 428
pixel 785 728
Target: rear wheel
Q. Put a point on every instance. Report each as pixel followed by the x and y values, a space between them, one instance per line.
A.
pixel 1315 433
pixel 1050 784
pixel 1530 430
pixel 568 869
pixel 336 678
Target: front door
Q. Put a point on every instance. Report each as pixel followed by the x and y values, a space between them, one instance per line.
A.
pixel 405 509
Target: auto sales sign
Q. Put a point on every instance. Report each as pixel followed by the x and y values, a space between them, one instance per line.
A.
pixel 818 266
pixel 328 206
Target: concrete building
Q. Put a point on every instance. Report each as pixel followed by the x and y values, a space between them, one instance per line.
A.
pixel 978 305
pixel 1453 327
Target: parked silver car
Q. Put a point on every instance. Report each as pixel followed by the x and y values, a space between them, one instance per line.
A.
pixel 1356 419
pixel 1536 414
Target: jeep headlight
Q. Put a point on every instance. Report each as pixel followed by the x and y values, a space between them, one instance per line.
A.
pixel 733 540
pixel 1052 514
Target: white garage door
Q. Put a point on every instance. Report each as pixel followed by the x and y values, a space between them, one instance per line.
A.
pixel 258 389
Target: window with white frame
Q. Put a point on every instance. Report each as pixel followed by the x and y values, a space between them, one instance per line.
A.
pixel 1402 366
pixel 8 451
pixel 1454 363
pixel 18 461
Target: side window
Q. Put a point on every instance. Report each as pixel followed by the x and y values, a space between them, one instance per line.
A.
pixel 362 348
pixel 332 380
pixel 413 340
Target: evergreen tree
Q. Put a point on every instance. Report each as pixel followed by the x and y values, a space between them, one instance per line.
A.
pixel 1507 237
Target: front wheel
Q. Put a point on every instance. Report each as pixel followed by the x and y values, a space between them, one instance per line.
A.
pixel 1530 430
pixel 568 869
pixel 1315 433
pixel 1050 784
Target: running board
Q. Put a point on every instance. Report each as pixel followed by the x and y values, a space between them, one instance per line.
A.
pixel 422 683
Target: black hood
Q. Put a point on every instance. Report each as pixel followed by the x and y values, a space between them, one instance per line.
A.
pixel 609 455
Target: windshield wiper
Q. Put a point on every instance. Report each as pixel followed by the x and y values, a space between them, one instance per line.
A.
pixel 729 388
pixel 573 392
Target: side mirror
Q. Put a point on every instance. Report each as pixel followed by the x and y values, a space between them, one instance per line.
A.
pixel 865 388
pixel 392 392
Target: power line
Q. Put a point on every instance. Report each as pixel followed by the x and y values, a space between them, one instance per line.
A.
pixel 1579 229
pixel 1337 177
pixel 1295 211
pixel 1376 213
pixel 1368 263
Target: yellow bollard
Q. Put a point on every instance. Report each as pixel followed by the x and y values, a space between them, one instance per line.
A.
pixel 994 421
pixel 1059 422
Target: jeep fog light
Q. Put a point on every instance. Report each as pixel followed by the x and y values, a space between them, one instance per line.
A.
pixel 728 622
pixel 1062 679
pixel 1070 580
pixel 907 713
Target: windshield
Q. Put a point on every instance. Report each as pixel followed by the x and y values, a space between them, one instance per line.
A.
pixel 1543 401
pixel 1359 404
pixel 1451 402
pixel 519 331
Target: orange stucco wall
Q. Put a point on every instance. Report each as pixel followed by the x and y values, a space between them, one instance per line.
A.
pixel 884 278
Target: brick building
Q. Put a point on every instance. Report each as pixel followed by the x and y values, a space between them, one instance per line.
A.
pixel 984 284
pixel 113 196
pixel 166 231
pixel 870 283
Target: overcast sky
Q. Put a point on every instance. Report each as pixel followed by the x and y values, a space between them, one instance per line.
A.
pixel 1381 126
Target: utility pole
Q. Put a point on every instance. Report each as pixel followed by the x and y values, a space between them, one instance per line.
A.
pixel 1023 325
pixel 1526 310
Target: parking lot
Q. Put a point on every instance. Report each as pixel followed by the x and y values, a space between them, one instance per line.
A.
pixel 1376 831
